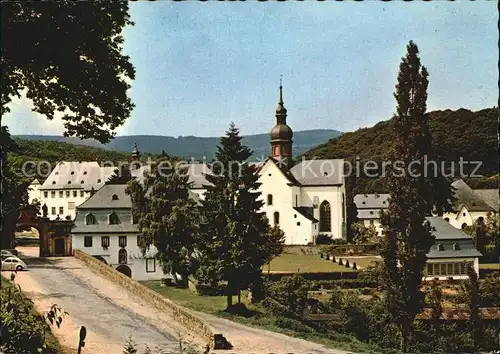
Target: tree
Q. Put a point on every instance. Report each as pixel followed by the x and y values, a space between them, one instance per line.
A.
pixel 470 293
pixel 67 57
pixel 14 191
pixel 166 216
pixel 407 235
pixel 363 234
pixel 235 239
pixel 121 175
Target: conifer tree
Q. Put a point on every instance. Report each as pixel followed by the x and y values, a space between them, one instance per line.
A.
pixel 167 217
pixel 407 235
pixel 121 175
pixel 236 240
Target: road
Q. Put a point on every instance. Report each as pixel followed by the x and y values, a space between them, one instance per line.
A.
pixel 109 312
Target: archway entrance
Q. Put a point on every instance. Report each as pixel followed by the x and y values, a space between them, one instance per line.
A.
pixel 124 270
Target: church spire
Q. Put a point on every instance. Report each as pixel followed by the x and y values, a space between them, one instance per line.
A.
pixel 135 152
pixel 281 134
pixel 281 110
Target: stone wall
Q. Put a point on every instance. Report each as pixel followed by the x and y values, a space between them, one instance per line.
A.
pixel 179 313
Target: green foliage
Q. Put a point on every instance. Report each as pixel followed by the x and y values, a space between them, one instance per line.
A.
pixel 68 57
pixel 455 134
pixel 121 175
pixel 490 290
pixel 469 292
pixel 235 239
pixel 23 329
pixel 291 292
pixel 407 237
pixel 363 234
pixel 167 217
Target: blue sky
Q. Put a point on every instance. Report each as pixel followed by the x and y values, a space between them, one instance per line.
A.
pixel 201 65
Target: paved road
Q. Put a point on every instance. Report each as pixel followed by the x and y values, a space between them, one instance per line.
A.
pixel 109 313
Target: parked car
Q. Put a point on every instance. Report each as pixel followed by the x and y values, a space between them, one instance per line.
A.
pixel 6 254
pixel 13 263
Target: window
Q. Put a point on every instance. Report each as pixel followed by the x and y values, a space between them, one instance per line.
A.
pixel 372 222
pixel 114 197
pixel 269 199
pixel 325 217
pixel 113 219
pixel 443 268
pixel 53 194
pixel 463 214
pixel 296 200
pixel 298 223
pixel 71 205
pixel 53 210
pixel 82 181
pixel 99 181
pixel 68 194
pixel 61 194
pixel 122 241
pixel 122 256
pixel 53 182
pixel 87 241
pixel 150 265
pixel 84 172
pixel 440 247
pixel 276 218
pixel 75 194
pixel 82 194
pixel 69 182
pixel 90 219
pixel 430 269
pixel 45 194
pixel 134 218
pixel 138 240
pixel 464 225
pixel 61 210
pixel 456 268
pixel 449 269
pixel 463 268
pixel 447 219
pixel 456 247
pixel 105 242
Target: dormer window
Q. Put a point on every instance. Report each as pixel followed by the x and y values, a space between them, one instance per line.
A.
pixel 53 182
pixel 82 182
pixel 57 173
pixel 90 219
pixel 383 202
pixel 371 212
pixel 72 172
pixel 69 182
pixel 84 172
pixel 113 219
pixel 114 197
pixel 99 181
pixel 364 202
pixel 440 247
pixel 456 247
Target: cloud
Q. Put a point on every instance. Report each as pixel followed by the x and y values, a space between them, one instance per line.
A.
pixel 22 120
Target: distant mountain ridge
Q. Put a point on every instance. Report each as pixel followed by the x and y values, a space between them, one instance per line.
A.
pixel 194 147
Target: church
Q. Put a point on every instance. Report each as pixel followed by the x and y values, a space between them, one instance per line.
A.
pixel 305 198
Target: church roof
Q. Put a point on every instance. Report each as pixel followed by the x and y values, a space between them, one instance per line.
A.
pixel 489 196
pixel 306 212
pixel 319 172
pixel 467 197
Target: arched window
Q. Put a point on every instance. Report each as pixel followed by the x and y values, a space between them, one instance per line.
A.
pixel 456 246
pixel 464 225
pixel 276 218
pixel 447 219
pixel 440 247
pixel 113 219
pixel 276 150
pixel 122 256
pixel 325 217
pixel 90 219
pixel 114 197
pixel 269 199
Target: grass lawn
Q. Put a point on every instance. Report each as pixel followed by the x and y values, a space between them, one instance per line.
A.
pixel 215 305
pixel 303 263
pixel 362 262
pixel 490 266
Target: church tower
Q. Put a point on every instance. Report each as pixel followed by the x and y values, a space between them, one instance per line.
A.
pixel 135 153
pixel 281 134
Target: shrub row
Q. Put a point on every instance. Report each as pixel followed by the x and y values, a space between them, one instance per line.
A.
pixel 316 275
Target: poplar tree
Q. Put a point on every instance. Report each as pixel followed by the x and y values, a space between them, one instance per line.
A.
pixel 236 239
pixel 407 235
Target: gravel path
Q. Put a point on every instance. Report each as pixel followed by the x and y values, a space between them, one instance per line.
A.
pixel 109 312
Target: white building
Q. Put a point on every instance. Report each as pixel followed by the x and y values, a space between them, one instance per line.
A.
pixel 369 207
pixel 105 229
pixel 471 204
pixel 34 191
pixel 69 185
pixel 451 253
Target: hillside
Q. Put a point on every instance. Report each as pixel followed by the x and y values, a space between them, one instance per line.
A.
pixel 191 146
pixel 461 133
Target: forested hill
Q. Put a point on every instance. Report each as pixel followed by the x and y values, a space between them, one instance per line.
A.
pixel 461 133
pixel 188 147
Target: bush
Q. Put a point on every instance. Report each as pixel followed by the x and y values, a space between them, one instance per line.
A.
pixel 291 292
pixel 294 325
pixel 323 239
